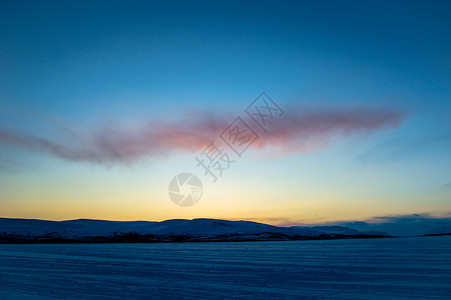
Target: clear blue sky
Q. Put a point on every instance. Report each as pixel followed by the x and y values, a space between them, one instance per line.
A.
pixel 89 91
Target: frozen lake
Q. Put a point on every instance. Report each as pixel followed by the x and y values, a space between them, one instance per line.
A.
pixel 410 268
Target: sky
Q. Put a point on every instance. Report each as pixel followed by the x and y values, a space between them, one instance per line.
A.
pixel 103 103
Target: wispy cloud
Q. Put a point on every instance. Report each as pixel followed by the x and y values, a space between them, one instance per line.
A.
pixel 407 218
pixel 415 224
pixel 307 130
pixel 399 148
pixel 299 131
pixel 405 225
pixel 396 225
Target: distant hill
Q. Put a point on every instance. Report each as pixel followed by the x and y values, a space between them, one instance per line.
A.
pixel 404 225
pixel 177 230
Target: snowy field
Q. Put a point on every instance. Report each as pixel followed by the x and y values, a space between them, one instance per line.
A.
pixel 410 268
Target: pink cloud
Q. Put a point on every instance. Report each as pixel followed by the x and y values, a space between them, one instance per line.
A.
pixel 298 131
pixel 307 130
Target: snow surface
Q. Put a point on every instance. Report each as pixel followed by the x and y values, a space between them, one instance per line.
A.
pixel 395 268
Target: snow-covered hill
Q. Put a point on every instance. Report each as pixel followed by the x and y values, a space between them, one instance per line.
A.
pixel 30 230
pixel 407 225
